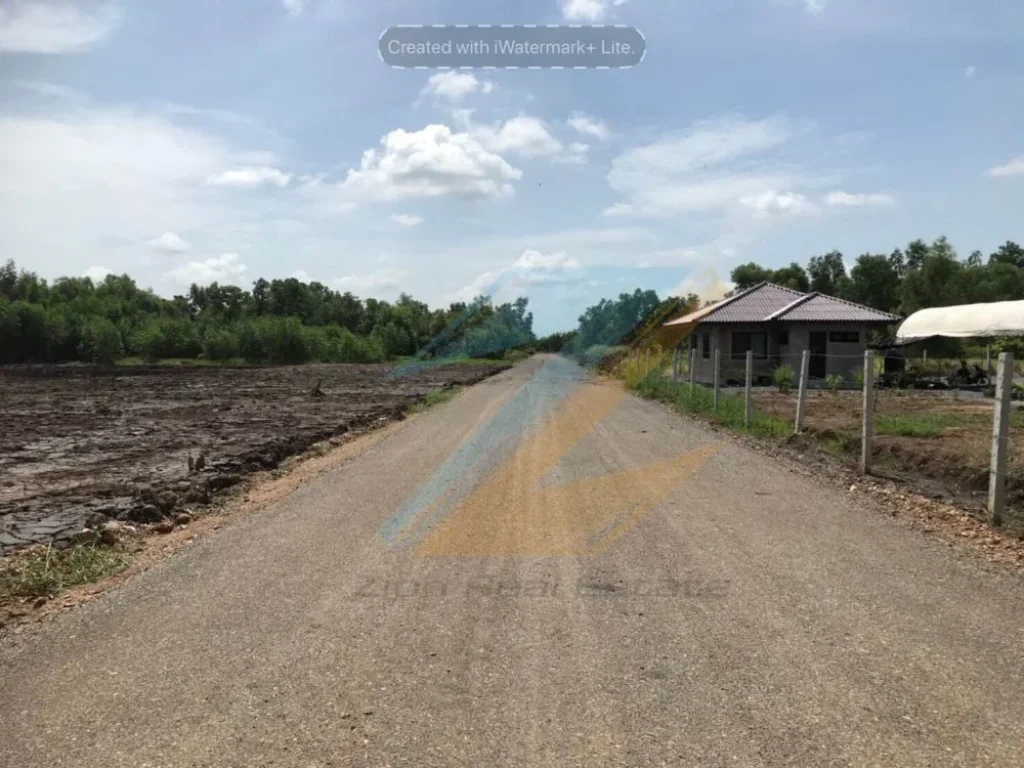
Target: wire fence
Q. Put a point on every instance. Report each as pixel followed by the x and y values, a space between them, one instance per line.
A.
pixel 938 428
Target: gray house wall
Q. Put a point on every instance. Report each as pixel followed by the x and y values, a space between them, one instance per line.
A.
pixel 843 359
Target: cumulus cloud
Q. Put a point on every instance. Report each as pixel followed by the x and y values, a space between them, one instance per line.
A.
pixel 524 134
pixel 302 276
pixel 249 177
pixel 170 242
pixel 772 203
pixel 814 6
pixel 227 268
pixel 717 165
pixel 840 198
pixel 584 10
pixel 432 162
pixel 455 86
pixel 970 72
pixel 1013 168
pixel 379 282
pixel 575 154
pixel 407 219
pixel 589 126
pixel 97 274
pixel 293 7
pixel 531 268
pixel 55 26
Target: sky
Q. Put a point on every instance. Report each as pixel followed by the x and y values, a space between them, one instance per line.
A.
pixel 187 141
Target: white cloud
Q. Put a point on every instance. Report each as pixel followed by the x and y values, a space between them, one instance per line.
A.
pixel 407 219
pixel 814 6
pixel 576 154
pixel 455 86
pixel 525 135
pixel 88 186
pixel 858 199
pixel 302 276
pixel 717 165
pixel 589 126
pixel 385 281
pixel 537 267
pixel 54 26
pixel 51 90
pixel 432 162
pixel 584 10
pixel 293 7
pixel 170 242
pixel 970 72
pixel 772 203
pixel 249 177
pixel 1013 168
pixel 227 268
pixel 96 274
pixel 531 268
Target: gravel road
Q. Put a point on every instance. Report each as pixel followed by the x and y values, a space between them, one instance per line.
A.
pixel 542 572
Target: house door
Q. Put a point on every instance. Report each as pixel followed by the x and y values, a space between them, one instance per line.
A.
pixel 818 346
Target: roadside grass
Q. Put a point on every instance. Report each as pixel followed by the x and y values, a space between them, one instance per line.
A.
pixel 182 362
pixel 699 401
pixel 434 398
pixel 918 424
pixel 45 571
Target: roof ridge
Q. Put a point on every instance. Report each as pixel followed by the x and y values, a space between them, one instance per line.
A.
pixel 779 314
pixel 855 304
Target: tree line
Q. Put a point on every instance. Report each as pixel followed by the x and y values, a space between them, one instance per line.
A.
pixel 277 321
pixel 906 280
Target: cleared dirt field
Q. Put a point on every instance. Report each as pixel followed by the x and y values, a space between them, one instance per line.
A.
pixel 79 445
pixel 939 435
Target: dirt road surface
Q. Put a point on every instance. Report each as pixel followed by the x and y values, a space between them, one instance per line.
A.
pixel 542 572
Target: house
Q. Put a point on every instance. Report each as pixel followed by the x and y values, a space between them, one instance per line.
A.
pixel 777 324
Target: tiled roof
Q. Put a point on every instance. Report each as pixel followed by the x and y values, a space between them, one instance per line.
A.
pixel 766 301
pixel 830 309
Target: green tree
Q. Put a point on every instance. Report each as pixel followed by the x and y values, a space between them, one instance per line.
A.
pixel 828 274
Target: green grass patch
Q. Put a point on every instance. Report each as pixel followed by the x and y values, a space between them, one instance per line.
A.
pixel 434 398
pixel 699 400
pixel 44 572
pixel 182 362
pixel 918 425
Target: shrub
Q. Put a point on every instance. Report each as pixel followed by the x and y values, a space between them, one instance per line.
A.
pixel 220 345
pixel 783 378
pixel 833 381
pixel 101 342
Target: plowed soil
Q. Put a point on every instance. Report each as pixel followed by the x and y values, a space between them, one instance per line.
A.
pixel 80 444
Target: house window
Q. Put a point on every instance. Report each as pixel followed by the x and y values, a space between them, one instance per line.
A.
pixel 693 341
pixel 743 341
pixel 783 339
pixel 844 337
pixel 705 345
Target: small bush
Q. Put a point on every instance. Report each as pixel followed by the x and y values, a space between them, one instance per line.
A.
pixel 833 382
pixel 220 345
pixel 101 342
pixel 783 378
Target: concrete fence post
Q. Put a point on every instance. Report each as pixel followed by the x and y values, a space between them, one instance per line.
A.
pixel 693 367
pixel 867 429
pixel 718 367
pixel 748 414
pixel 988 361
pixel 1000 439
pixel 647 363
pixel 801 400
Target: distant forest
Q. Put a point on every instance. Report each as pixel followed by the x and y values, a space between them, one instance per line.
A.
pixel 278 321
pixel 903 281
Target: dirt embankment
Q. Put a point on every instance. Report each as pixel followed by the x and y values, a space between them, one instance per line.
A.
pixel 80 445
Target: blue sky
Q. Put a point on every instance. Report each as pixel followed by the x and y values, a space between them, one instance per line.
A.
pixel 188 140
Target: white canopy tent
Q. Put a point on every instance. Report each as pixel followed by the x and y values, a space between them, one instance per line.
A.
pixel 998 318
